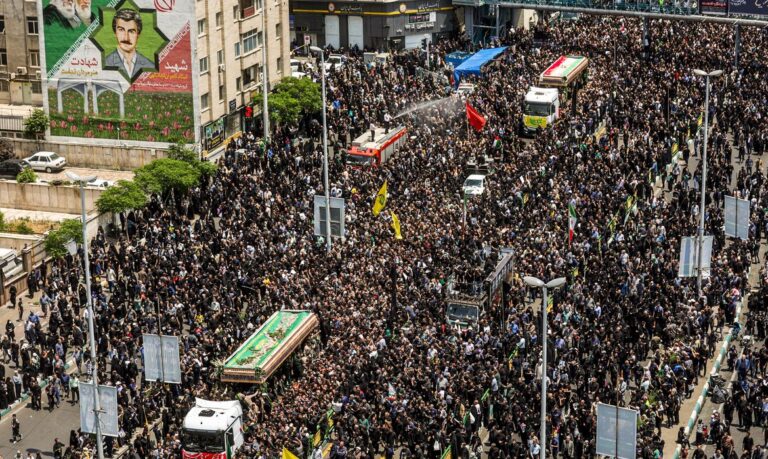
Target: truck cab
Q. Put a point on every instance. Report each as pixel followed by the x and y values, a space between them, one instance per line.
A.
pixel 541 109
pixel 212 430
pixel 463 310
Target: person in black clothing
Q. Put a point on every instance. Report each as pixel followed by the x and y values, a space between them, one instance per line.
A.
pixel 16 429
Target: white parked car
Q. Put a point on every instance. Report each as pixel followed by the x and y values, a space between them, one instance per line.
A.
pixel 46 161
pixel 101 183
pixel 335 60
pixel 474 185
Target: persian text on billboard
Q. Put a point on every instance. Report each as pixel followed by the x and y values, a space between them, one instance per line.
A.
pixel 120 69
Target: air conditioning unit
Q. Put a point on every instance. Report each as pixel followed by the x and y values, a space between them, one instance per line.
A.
pixel 37 75
pixel 221 67
pixel 21 70
pixel 13 76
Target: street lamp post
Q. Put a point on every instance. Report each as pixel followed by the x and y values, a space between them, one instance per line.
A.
pixel 553 284
pixel 91 334
pixel 700 264
pixel 265 74
pixel 328 236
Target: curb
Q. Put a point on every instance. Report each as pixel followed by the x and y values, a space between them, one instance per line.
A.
pixel 715 370
pixel 19 401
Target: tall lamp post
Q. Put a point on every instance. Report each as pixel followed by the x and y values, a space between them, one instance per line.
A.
pixel 700 264
pixel 265 74
pixel 91 334
pixel 328 236
pixel 553 284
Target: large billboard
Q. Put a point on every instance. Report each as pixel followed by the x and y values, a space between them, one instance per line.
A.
pixel 120 69
pixel 750 7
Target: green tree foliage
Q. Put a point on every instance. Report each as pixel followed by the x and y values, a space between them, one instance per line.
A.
pixel 56 240
pixel 36 124
pixel 26 176
pixel 181 152
pixel 6 149
pixel 163 175
pixel 124 196
pixel 291 98
pixel 55 244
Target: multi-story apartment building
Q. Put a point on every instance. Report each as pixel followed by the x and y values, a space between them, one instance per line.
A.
pixel 230 41
pixel 19 53
pixel 231 36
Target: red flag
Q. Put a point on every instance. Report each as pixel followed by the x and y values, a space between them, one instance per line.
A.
pixel 475 119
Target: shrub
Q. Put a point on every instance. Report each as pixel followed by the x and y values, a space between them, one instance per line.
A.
pixel 27 176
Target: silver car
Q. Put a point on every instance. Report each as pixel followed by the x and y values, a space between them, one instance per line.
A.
pixel 46 161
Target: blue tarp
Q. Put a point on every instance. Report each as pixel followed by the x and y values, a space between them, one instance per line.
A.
pixel 457 57
pixel 473 65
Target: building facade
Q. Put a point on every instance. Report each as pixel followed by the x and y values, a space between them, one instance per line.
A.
pixel 231 37
pixel 20 82
pixel 372 25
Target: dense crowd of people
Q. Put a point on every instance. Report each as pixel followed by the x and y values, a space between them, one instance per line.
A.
pixel 626 329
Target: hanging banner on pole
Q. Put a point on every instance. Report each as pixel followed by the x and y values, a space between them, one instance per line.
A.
pixel 616 431
pixel 689 261
pixel 108 414
pixel 736 217
pixel 161 359
pixel 337 216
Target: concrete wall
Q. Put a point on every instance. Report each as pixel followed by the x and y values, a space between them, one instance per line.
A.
pixel 92 156
pixel 18 242
pixel 46 198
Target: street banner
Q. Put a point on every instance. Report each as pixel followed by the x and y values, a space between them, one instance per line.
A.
pixel 108 414
pixel 714 7
pixel 736 217
pixel 750 7
pixel 161 359
pixel 616 437
pixel 120 69
pixel 689 261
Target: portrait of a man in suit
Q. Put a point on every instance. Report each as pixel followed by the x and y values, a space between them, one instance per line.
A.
pixel 127 27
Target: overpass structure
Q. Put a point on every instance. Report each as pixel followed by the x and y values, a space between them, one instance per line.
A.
pixel 486 19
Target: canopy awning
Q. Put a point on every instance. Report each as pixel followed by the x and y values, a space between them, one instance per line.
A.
pixel 473 65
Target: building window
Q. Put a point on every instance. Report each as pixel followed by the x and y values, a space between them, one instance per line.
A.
pixel 202 27
pixel 259 4
pixel 280 68
pixel 3 56
pixel 220 57
pixel 204 65
pixel 236 12
pixel 237 49
pixel 222 94
pixel 34 58
pixel 32 25
pixel 2 24
pixel 239 84
pixel 204 102
pixel 4 86
pixel 250 75
pixel 37 87
pixel 249 40
pixel 219 19
pixel 278 31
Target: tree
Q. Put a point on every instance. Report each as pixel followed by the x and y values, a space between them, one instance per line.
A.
pixel 291 98
pixel 181 152
pixel 163 175
pixel 55 244
pixel 305 91
pixel 6 149
pixel 56 240
pixel 26 176
pixel 126 195
pixel 36 124
pixel 72 229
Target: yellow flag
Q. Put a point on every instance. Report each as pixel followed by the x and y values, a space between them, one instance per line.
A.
pixel 381 199
pixel 317 439
pixel 288 455
pixel 396 225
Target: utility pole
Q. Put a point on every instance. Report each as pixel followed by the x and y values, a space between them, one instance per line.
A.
pixel 265 72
